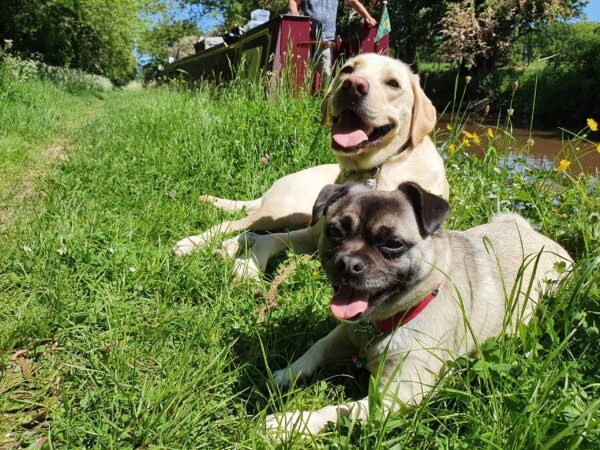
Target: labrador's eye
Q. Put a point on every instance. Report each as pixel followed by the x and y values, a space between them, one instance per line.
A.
pixel 347 70
pixel 392 247
pixel 393 83
pixel 333 232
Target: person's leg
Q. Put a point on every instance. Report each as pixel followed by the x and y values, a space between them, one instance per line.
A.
pixel 323 56
pixel 326 59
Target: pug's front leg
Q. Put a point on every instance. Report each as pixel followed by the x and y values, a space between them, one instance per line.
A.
pixel 333 347
pixel 403 384
pixel 411 377
pixel 310 423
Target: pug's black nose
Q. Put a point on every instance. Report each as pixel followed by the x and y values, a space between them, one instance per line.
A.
pixel 354 264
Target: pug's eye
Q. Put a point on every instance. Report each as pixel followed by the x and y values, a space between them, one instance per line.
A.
pixel 393 83
pixel 393 247
pixel 333 232
pixel 347 70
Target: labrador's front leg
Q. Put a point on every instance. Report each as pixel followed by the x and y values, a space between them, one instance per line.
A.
pixel 265 246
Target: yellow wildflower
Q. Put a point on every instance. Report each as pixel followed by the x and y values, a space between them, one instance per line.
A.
pixel 490 133
pixel 452 148
pixel 598 148
pixel 466 142
pixel 592 124
pixel 469 135
pixel 448 127
pixel 315 273
pixel 563 165
pixel 476 138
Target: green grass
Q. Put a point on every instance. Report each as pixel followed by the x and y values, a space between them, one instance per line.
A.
pixel 130 347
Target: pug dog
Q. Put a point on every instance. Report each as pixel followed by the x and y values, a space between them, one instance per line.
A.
pixel 411 295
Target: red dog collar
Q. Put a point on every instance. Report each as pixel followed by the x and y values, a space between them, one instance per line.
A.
pixel 403 317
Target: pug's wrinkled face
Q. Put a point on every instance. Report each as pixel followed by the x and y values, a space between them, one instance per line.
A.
pixel 375 245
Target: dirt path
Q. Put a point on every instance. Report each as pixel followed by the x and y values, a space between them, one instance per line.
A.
pixel 45 158
pixel 20 381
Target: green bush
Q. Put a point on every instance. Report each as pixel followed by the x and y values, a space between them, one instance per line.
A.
pixel 567 90
pixel 558 68
pixel 93 35
pixel 71 80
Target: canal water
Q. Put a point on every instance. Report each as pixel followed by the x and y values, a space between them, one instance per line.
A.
pixel 548 147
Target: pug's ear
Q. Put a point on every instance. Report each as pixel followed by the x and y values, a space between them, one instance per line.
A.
pixel 424 113
pixel 327 197
pixel 430 210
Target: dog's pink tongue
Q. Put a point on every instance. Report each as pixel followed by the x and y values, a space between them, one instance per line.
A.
pixel 347 138
pixel 347 303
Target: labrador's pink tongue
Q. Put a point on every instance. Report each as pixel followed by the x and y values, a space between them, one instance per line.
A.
pixel 347 303
pixel 348 138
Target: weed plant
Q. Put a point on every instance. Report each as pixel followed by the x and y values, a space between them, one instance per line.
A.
pixel 107 341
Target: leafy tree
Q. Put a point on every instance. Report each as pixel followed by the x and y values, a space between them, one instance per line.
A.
pixel 415 24
pixel 479 32
pixel 156 41
pixel 183 47
pixel 93 35
pixel 567 86
pixel 237 12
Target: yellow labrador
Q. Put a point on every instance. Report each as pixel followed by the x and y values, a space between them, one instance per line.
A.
pixel 380 120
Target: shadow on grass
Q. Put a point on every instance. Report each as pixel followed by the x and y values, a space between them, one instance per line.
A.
pixel 287 332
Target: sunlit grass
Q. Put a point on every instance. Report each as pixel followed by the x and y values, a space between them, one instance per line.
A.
pixel 130 347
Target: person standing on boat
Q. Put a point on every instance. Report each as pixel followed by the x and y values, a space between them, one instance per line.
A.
pixel 323 14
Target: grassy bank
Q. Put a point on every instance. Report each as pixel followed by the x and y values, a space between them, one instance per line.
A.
pixel 41 108
pixel 106 340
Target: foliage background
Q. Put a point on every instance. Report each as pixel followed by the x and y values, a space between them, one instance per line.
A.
pixel 96 36
pixel 495 42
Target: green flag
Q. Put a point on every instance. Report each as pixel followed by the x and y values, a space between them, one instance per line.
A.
pixel 384 24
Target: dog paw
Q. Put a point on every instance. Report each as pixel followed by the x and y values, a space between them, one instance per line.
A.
pixel 283 426
pixel 228 249
pixel 208 199
pixel 281 377
pixel 250 238
pixel 184 247
pixel 244 269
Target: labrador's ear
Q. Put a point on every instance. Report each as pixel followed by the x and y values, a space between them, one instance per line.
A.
pixel 424 114
pixel 327 197
pixel 325 103
pixel 430 210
